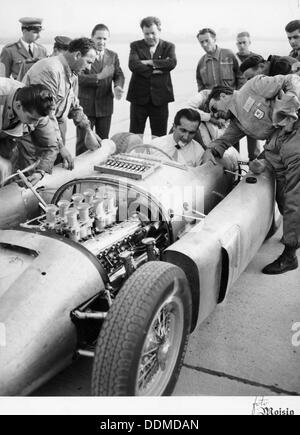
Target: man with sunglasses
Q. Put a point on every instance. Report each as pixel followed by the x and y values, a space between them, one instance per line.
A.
pixel 18 57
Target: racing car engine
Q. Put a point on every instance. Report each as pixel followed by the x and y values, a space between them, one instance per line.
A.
pixel 93 220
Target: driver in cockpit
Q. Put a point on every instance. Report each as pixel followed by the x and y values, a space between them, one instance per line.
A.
pixel 180 144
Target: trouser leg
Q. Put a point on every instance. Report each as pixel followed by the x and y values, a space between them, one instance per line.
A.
pixel 138 117
pixel 80 136
pixel 253 148
pixel 290 154
pixel 283 153
pixel 274 159
pixel 102 126
pixel 159 119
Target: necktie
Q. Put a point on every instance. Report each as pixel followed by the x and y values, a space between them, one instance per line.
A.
pixel 152 51
pixel 30 50
pixel 101 59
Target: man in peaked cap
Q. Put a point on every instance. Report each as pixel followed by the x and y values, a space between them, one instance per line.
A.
pixel 18 57
pixel 61 44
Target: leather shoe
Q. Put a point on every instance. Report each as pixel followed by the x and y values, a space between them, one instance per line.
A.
pixel 284 263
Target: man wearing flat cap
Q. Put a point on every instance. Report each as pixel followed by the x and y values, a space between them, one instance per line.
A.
pixel 18 57
pixel 61 45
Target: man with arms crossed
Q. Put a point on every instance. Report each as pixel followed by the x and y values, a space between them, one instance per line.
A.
pixel 150 89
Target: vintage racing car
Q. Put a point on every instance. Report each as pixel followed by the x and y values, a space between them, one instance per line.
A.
pixel 133 252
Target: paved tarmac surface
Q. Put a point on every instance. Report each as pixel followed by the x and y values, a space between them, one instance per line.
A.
pixel 243 349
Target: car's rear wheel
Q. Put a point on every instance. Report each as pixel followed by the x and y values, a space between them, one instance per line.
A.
pixel 142 343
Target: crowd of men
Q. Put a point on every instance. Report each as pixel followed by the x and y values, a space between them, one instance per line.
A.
pixel 239 94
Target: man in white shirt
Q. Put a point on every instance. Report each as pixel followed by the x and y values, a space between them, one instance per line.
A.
pixel 180 145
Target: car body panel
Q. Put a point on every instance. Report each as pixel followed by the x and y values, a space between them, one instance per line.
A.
pixel 238 226
pixel 49 276
pixel 35 305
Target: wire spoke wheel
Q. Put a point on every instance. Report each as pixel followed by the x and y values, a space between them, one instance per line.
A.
pixel 161 348
pixel 142 342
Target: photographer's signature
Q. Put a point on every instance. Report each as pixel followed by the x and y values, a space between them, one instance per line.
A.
pixel 261 406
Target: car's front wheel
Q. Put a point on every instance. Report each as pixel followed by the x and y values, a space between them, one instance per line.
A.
pixel 142 343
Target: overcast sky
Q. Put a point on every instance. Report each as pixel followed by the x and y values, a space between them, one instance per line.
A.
pixel 77 17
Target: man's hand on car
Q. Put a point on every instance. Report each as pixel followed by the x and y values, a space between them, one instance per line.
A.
pixel 68 160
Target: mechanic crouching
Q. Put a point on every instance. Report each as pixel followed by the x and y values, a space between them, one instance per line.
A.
pixel 21 109
pixel 267 108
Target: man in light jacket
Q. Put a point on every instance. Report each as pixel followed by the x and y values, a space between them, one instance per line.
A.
pixel 267 108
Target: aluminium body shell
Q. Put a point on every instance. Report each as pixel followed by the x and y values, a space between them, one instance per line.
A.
pixel 236 227
pixel 42 279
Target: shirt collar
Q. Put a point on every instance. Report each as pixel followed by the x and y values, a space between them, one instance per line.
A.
pixel 66 66
pixel 26 44
pixel 100 55
pixel 295 52
pixel 214 55
pixel 178 147
pixel 154 47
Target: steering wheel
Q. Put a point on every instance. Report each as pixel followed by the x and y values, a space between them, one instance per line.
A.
pixel 148 147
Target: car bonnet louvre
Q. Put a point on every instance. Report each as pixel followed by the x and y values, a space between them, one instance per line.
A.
pixel 128 166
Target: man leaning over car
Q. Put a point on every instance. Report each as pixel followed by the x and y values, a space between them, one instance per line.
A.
pixel 267 108
pixel 21 109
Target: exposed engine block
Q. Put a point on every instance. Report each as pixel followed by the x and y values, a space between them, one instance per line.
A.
pixel 91 219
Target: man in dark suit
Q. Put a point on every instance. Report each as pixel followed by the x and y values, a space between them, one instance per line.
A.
pixel 18 57
pixel 150 90
pixel 95 87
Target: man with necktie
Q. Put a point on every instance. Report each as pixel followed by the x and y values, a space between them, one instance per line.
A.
pixel 98 86
pixel 18 57
pixel 180 144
